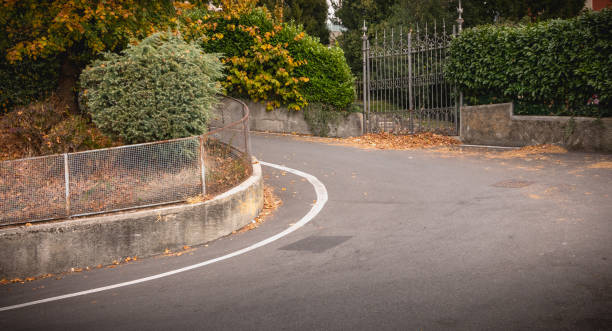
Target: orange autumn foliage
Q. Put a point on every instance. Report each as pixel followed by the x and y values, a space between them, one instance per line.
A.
pixel 40 29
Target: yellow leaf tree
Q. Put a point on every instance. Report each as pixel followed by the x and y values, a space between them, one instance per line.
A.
pixel 74 31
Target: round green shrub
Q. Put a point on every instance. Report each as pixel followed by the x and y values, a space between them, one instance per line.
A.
pixel 162 88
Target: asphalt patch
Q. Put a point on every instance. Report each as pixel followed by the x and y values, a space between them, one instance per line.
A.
pixel 316 244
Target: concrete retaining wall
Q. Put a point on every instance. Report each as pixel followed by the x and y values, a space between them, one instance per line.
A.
pixel 497 125
pixel 282 120
pixel 59 246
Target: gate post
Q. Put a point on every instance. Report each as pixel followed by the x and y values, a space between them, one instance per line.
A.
pixel 365 80
pixel 410 95
pixel 460 103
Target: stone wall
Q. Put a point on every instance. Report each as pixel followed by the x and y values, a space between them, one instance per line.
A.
pixel 497 125
pixel 282 120
pixel 54 247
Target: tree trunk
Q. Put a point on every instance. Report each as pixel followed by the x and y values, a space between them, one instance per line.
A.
pixel 66 85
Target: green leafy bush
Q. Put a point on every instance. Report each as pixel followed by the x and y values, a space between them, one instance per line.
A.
pixel 330 78
pixel 255 67
pixel 266 73
pixel 162 88
pixel 229 35
pixel 556 67
pixel 271 62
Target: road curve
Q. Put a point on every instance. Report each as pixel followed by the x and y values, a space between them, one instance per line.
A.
pixel 407 240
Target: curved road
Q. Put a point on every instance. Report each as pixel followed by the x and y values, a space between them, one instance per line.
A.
pixel 407 240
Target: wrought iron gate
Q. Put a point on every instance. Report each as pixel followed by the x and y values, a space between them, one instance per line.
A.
pixel 404 90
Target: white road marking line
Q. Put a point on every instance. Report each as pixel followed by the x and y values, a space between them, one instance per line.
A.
pixel 320 191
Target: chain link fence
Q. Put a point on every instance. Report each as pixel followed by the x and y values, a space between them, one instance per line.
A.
pixel 133 176
pixel 227 146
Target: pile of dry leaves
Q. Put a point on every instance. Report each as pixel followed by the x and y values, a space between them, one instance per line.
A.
pixel 391 141
pixel 527 151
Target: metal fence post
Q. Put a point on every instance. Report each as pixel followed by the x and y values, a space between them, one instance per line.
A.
pixel 247 137
pixel 67 181
pixel 202 166
pixel 365 78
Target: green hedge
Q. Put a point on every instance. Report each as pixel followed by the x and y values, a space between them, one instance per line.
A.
pixel 556 67
pixel 331 81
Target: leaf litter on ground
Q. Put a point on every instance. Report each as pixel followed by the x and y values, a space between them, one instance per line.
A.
pixel 389 141
pixel 435 142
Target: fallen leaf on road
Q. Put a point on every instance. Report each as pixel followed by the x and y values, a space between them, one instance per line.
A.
pixel 601 165
pixel 528 150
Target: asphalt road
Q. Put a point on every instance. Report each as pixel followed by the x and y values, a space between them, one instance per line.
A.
pixel 408 240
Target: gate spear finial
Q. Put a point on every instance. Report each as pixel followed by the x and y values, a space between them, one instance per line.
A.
pixel 364 29
pixel 443 26
pixel 460 19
